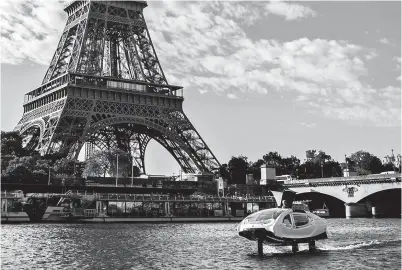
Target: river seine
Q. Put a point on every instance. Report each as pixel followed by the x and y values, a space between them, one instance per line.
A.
pixel 352 244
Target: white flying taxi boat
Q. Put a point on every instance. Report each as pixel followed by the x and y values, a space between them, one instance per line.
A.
pixel 283 226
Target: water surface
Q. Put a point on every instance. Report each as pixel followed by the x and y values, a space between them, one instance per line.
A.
pixel 352 244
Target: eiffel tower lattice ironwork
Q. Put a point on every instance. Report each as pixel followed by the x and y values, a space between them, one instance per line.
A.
pixel 105 86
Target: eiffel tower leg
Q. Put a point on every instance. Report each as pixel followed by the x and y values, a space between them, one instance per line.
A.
pixel 186 163
pixel 139 143
pixel 197 148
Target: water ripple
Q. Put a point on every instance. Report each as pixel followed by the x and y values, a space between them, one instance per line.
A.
pixel 352 244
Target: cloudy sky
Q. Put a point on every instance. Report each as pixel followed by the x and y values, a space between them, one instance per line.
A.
pixel 257 76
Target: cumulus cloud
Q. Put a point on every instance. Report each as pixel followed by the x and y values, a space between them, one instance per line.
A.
pixel 385 41
pixel 398 66
pixel 29 28
pixel 290 11
pixel 203 45
pixel 398 62
pixel 324 75
pixel 372 54
pixel 232 96
pixel 308 125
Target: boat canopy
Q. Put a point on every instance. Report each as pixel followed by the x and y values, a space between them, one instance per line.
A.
pixel 262 215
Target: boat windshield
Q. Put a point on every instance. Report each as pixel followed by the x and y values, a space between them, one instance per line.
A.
pixel 267 214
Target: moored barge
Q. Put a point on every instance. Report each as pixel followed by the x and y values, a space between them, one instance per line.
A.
pixel 76 206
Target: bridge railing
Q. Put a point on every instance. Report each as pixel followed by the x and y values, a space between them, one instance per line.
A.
pixel 349 178
pixel 164 198
pixel 10 195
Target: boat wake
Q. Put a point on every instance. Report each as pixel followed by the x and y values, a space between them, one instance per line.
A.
pixel 374 243
pixel 303 248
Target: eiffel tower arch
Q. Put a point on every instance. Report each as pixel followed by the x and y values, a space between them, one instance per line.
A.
pixel 105 87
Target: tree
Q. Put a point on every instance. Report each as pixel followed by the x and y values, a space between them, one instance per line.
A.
pixel 105 162
pixel 386 167
pixel 65 166
pixel 273 158
pixel 310 154
pixel 391 163
pixel 238 168
pixel 320 157
pixel 254 168
pixel 124 169
pixel 11 144
pixel 366 163
pixel 290 165
pixel 20 169
pixel 97 165
pixel 224 172
pixel 319 164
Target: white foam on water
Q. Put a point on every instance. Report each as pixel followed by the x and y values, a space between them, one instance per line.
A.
pixel 303 247
pixel 351 246
pixel 272 249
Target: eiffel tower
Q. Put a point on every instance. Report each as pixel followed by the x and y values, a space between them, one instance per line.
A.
pixel 106 87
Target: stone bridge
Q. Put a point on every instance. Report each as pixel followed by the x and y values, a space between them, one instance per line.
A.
pixel 353 191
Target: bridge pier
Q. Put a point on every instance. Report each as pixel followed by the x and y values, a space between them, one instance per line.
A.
pixel 374 211
pixel 355 210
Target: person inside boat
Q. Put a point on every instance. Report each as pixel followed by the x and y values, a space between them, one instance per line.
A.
pixel 287 221
pixel 285 204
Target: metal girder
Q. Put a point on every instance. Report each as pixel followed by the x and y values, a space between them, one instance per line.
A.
pixel 103 40
pixel 139 143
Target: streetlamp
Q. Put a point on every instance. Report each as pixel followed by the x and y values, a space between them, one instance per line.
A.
pixel 132 171
pixel 117 169
pixel 322 169
pixel 305 169
pixel 48 181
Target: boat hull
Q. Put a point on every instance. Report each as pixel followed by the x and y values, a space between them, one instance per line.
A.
pixel 283 227
pixel 321 212
pixel 14 217
pixel 269 238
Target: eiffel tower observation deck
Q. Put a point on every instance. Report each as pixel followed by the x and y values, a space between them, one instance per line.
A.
pixel 105 87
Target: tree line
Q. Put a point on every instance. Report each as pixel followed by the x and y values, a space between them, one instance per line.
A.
pixel 25 165
pixel 28 166
pixel 317 164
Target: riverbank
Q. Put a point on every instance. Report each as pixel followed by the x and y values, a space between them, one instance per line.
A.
pixel 134 220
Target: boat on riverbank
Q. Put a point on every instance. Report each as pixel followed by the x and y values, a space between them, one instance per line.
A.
pixel 11 208
pixel 322 212
pixel 75 206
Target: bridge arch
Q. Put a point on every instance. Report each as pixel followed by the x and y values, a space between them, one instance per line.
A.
pixel 337 192
pixel 378 188
pixel 349 193
pixel 318 200
pixel 386 202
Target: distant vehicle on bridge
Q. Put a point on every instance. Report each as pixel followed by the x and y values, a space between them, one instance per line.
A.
pixel 389 172
pixel 284 178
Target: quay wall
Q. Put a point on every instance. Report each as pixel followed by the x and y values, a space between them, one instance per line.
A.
pixel 133 220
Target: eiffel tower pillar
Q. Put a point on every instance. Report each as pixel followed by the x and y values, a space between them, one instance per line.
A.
pixel 105 86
